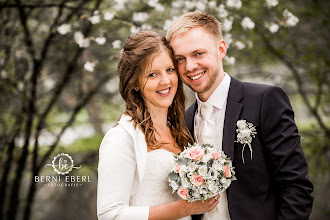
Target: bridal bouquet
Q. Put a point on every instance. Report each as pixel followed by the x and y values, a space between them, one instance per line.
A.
pixel 201 172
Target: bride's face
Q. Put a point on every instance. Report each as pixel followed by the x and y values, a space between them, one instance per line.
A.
pixel 159 82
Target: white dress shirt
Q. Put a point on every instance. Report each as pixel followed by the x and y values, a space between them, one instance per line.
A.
pixel 218 99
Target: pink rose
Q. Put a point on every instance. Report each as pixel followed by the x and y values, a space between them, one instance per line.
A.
pixel 196 180
pixel 176 168
pixel 216 155
pixel 195 153
pixel 226 170
pixel 183 193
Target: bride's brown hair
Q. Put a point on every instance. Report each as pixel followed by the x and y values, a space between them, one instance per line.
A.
pixel 137 54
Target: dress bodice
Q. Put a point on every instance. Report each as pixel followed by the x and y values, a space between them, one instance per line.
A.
pixel 154 188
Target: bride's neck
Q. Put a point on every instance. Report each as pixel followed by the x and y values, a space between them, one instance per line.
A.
pixel 159 117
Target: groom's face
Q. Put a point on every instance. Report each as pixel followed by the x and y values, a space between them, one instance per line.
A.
pixel 199 55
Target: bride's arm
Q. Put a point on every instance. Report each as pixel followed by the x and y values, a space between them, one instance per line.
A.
pixel 116 178
pixel 181 208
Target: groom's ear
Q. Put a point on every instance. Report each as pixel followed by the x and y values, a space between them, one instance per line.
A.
pixel 222 49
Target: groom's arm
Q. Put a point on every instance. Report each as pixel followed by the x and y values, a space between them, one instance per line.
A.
pixel 288 164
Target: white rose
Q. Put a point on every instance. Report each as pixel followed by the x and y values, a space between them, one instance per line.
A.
pixel 246 133
pixel 241 124
pixel 183 170
pixel 211 185
pixel 206 158
pixel 185 183
pixel 202 170
pixel 174 185
pixel 217 166
pixel 192 167
pixel 196 194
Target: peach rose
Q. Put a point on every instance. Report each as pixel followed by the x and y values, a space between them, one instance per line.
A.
pixel 196 180
pixel 183 193
pixel 216 155
pixel 176 168
pixel 195 153
pixel 226 170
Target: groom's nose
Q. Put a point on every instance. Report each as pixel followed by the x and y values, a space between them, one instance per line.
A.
pixel 190 65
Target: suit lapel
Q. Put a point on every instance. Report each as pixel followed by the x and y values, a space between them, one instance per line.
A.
pixel 233 110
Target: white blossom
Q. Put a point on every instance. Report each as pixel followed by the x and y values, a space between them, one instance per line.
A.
pixel 291 20
pixel 152 3
pixel 95 19
pixel 112 85
pixel 212 4
pixel 230 60
pixel 167 24
pixel 177 4
pixel 135 29
pixel 108 16
pixel 247 23
pixel 189 4
pixel 228 39
pixel 89 66
pixel 100 40
pixel 80 40
pixel 116 44
pixel 200 6
pixel 227 24
pixel 4 74
pixel 237 4
pixel 239 45
pixel 271 3
pixel 146 27
pixel 222 12
pixel 120 4
pixel 64 29
pixel 20 86
pixel 49 83
pixel 272 27
pixel 140 17
pixel 159 7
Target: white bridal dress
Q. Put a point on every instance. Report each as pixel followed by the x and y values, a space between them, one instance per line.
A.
pixel 154 189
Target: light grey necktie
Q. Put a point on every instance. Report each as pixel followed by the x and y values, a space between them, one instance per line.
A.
pixel 207 128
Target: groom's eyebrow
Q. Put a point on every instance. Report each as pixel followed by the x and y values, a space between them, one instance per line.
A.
pixel 195 51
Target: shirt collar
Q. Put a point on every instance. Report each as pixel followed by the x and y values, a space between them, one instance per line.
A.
pixel 220 94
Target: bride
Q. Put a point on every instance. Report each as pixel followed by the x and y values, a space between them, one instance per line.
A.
pixel 136 155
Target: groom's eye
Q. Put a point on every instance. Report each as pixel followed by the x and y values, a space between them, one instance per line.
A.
pixel 180 59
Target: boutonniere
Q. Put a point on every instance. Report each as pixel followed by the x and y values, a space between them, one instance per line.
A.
pixel 245 132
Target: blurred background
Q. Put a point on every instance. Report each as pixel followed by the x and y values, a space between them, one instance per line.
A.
pixel 59 85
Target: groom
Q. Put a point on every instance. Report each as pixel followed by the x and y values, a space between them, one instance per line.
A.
pixel 272 176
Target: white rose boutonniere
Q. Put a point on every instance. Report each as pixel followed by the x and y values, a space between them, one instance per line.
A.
pixel 245 132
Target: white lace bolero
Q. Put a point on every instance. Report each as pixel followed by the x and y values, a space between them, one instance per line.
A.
pixel 122 162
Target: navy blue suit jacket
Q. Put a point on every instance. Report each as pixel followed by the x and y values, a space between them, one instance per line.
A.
pixel 274 185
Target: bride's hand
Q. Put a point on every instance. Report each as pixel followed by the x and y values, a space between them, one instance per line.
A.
pixel 200 207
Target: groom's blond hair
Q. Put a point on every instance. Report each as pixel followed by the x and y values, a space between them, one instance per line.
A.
pixel 194 19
